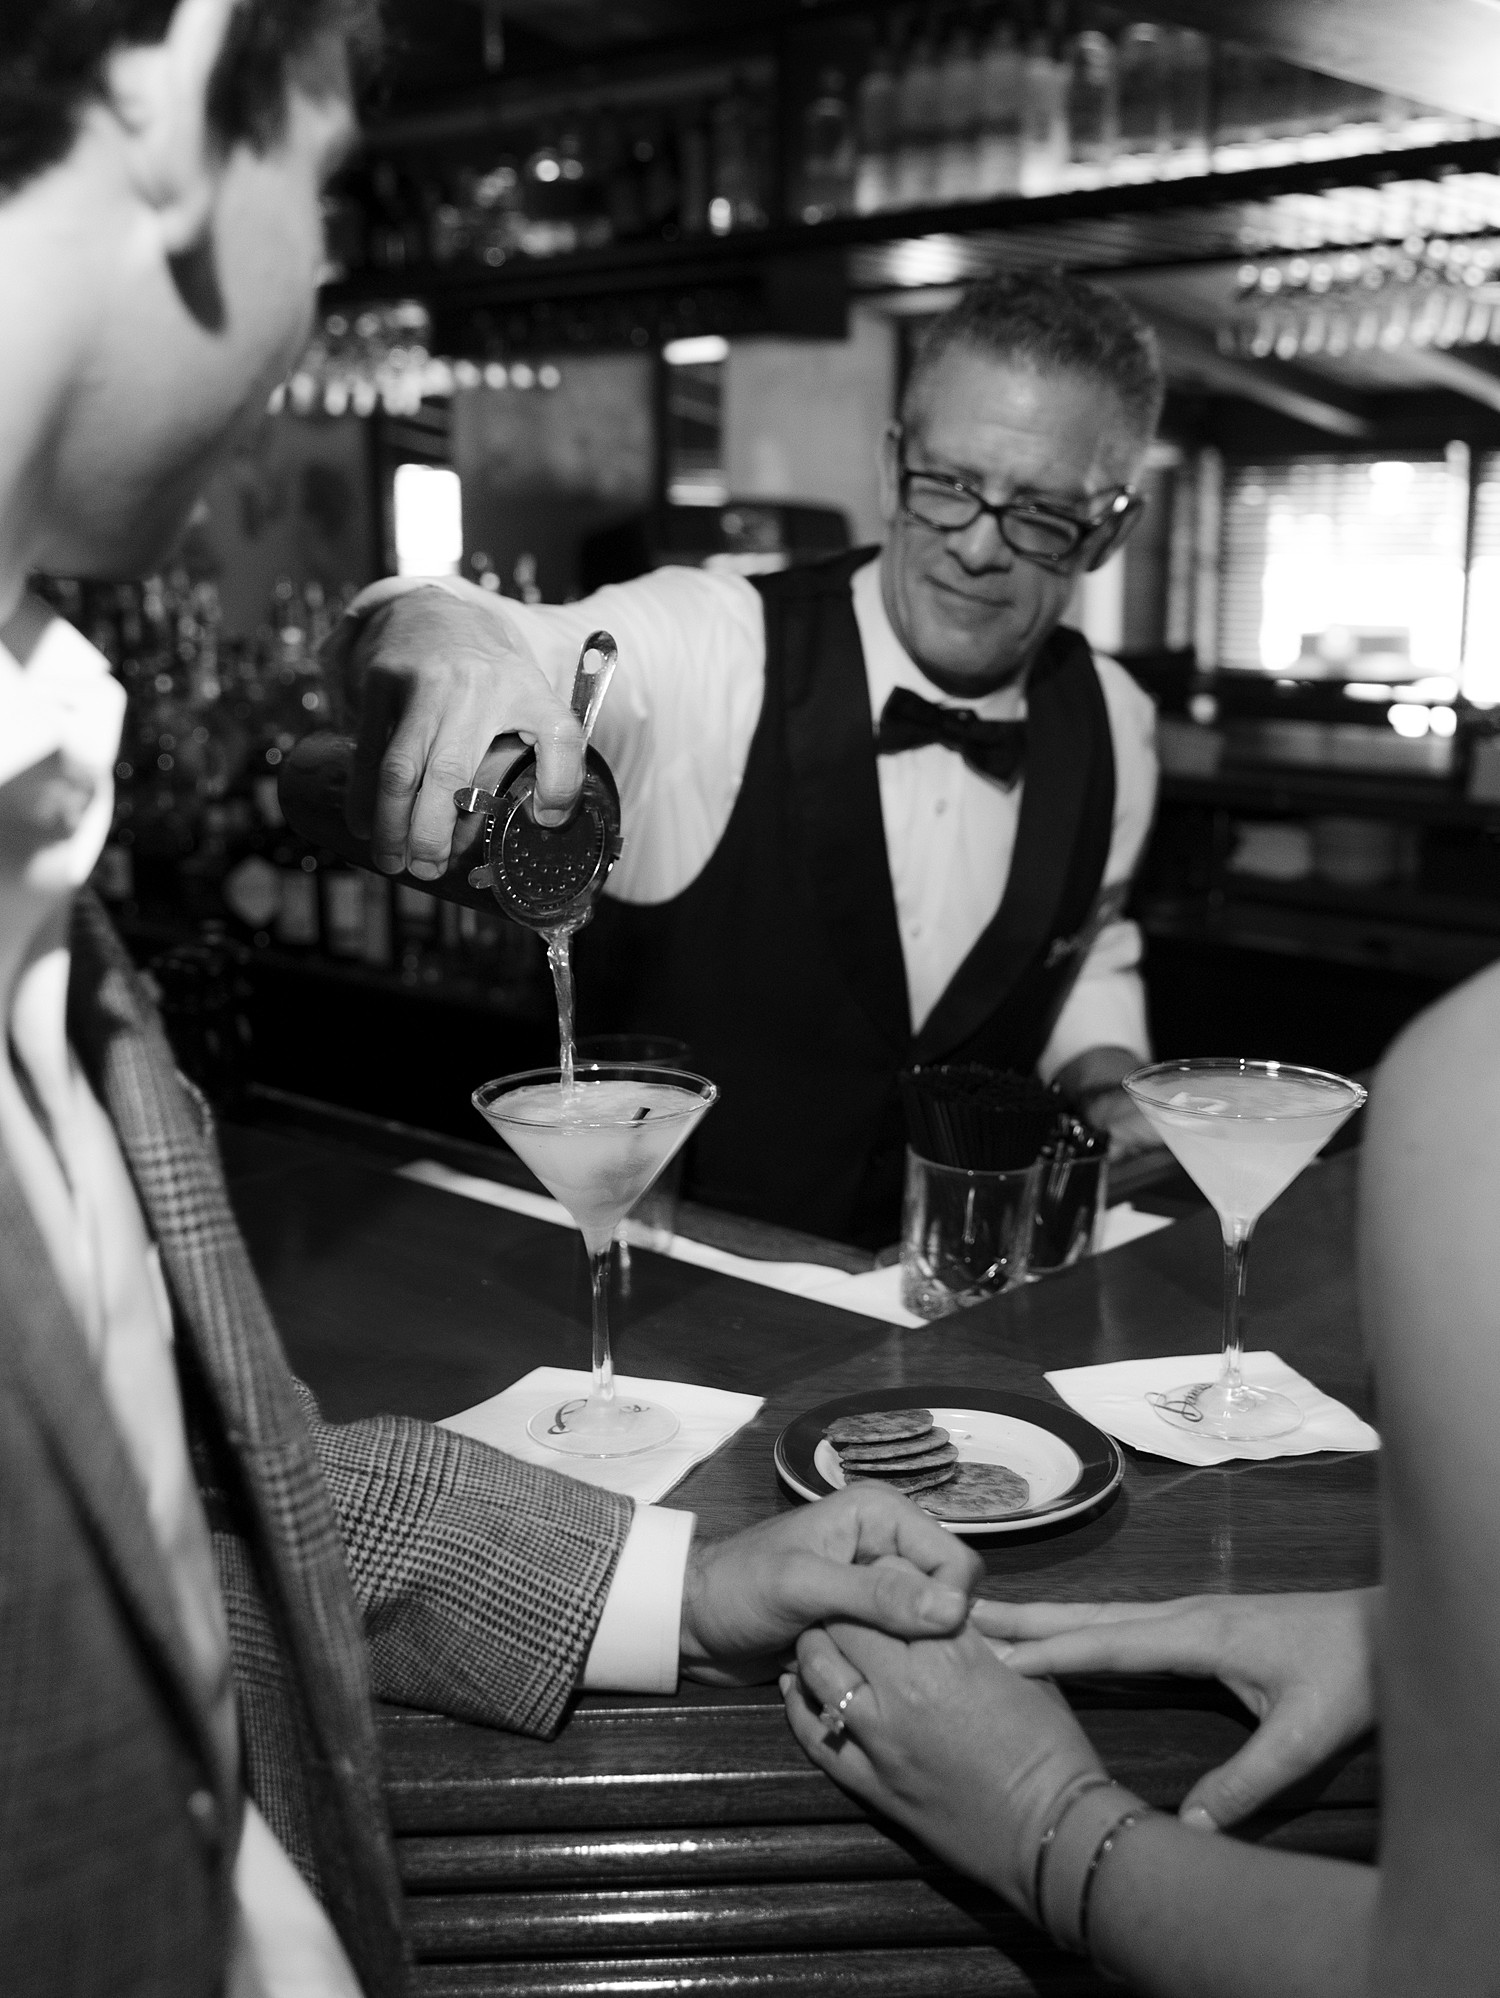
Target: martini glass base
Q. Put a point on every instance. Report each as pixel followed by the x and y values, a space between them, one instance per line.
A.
pixel 1237 1414
pixel 582 1428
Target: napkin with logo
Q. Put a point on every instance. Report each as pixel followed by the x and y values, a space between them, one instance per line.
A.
pixel 1113 1397
pixel 709 1417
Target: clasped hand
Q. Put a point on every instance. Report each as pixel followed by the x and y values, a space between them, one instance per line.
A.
pixel 863 1553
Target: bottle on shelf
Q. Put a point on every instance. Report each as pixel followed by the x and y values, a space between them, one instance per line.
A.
pixel 1002 90
pixel 1044 117
pixel 695 162
pixel 1189 101
pixel 739 179
pixel 828 156
pixel 1092 109
pixel 1145 132
pixel 875 111
pixel 958 118
pixel 918 125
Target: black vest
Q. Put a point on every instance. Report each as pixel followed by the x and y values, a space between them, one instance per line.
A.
pixel 781 964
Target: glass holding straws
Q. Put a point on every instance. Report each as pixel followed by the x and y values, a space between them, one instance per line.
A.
pixel 1243 1130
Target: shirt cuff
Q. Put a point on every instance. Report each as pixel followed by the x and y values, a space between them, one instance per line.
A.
pixel 639 1637
pixel 1107 1010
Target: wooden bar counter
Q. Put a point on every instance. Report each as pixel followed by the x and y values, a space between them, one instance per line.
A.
pixel 685 1844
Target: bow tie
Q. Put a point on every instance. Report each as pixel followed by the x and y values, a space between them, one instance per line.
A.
pixel 993 748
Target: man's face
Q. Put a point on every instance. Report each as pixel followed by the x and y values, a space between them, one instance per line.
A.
pixel 187 350
pixel 970 611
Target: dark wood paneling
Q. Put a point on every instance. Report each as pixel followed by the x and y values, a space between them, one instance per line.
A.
pixel 896 1973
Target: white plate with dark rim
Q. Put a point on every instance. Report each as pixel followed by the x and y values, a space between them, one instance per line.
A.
pixel 1070 1466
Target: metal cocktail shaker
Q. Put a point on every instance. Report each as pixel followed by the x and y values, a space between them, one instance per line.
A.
pixel 548 877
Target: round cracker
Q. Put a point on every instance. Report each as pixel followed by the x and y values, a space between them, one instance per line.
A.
pixel 909 1482
pixel 891 1453
pixel 879 1425
pixel 929 1460
pixel 978 1491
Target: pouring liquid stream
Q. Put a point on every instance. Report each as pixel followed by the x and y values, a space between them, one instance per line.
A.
pixel 595 670
pixel 560 961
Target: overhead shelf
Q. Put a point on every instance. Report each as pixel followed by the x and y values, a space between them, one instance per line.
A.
pixel 1191 219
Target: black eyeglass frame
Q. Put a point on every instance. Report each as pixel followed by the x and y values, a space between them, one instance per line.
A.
pixel 1095 540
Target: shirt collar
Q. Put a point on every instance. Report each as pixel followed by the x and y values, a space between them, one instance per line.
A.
pixel 888 664
pixel 63 695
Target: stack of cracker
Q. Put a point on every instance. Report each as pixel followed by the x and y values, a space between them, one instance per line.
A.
pixel 902 1448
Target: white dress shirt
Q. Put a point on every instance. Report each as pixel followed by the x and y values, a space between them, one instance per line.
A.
pixel 85 1205
pixel 676 728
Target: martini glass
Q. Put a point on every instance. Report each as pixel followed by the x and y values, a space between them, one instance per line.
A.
pixel 1243 1130
pixel 596 1142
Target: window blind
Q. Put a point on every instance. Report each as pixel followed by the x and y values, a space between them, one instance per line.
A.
pixel 1346 567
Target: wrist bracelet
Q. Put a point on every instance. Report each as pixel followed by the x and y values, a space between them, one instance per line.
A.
pixel 1102 1851
pixel 1080 1786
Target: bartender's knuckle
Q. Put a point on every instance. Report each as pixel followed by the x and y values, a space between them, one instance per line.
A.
pixel 399 774
pixel 450 767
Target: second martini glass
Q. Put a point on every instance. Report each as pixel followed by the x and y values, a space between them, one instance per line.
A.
pixel 1243 1130
pixel 596 1143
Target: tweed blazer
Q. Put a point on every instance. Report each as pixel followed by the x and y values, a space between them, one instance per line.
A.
pixel 383 1557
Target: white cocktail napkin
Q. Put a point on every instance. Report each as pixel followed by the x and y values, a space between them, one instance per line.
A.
pixel 709 1417
pixel 871 1293
pixel 1114 1398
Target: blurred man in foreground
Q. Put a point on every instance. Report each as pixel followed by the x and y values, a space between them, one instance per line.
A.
pixel 189 1793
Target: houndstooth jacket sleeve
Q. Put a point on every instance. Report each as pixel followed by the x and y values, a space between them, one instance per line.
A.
pixel 478 1579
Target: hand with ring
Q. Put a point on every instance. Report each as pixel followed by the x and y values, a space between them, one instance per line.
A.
pixel 942 1736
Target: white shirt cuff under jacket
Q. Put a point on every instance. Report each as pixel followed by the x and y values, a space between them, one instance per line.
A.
pixel 636 1645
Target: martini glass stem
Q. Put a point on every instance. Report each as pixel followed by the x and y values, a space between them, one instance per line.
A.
pixel 602 1391
pixel 1236 1265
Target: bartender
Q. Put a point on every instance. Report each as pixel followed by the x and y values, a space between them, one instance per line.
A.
pixel 880 810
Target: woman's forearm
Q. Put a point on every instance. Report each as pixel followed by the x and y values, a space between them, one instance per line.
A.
pixel 1177 1913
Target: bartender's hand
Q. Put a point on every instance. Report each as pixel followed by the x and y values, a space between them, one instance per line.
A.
pixel 1091 1082
pixel 433 675
pixel 1304 1664
pixel 863 1553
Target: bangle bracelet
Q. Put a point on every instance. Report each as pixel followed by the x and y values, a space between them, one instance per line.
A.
pixel 1102 1850
pixel 1079 1787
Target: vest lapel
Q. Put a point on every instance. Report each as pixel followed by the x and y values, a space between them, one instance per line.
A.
pixel 221 1310
pixel 830 744
pixel 43 1350
pixel 1061 705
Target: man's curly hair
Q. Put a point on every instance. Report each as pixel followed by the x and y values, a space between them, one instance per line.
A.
pixel 53 55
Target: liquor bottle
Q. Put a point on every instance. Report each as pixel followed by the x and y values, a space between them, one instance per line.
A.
pixel 1044 118
pixel 1001 91
pixel 378 943
pixel 828 152
pixel 1144 111
pixel 1189 95
pixel 343 912
pixel 298 923
pixel 1093 109
pixel 739 198
pixel 695 160
pixel 918 125
pixel 875 173
pixel 958 119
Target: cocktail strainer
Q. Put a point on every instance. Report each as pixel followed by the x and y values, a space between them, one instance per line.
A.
pixel 548 877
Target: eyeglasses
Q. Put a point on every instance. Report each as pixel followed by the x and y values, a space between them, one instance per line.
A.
pixel 1046 535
